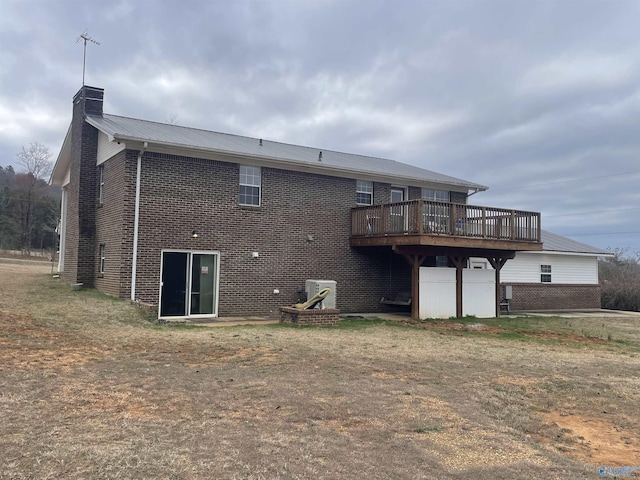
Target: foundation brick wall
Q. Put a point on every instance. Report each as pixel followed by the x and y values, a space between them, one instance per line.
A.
pixel 328 317
pixel 551 296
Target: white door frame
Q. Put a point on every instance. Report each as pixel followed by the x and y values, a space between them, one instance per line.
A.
pixel 403 189
pixel 190 253
pixel 405 194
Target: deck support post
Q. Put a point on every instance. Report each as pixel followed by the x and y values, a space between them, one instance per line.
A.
pixel 497 263
pixel 416 262
pixel 459 263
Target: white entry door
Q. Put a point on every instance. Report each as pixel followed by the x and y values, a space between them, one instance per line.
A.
pixel 398 212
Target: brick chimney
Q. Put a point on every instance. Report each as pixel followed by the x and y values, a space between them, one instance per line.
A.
pixel 80 249
pixel 90 99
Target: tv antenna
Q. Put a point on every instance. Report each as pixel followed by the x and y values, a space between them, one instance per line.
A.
pixel 84 36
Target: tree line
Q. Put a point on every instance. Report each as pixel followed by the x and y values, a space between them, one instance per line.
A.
pixel 620 281
pixel 29 207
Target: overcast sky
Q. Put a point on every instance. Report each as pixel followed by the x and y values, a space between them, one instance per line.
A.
pixel 539 100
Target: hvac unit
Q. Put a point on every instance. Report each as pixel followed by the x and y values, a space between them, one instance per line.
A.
pixel 314 286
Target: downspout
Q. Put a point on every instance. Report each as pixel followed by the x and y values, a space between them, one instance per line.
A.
pixel 134 263
pixel 62 232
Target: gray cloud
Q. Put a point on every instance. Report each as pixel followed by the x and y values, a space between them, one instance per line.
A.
pixel 508 94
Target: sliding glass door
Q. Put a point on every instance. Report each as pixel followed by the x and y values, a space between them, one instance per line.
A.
pixel 189 284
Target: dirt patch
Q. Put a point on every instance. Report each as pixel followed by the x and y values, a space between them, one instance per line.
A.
pixel 598 441
pixel 453 326
pixel 25 344
pixel 83 401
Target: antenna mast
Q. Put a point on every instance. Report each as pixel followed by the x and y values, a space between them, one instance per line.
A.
pixel 84 36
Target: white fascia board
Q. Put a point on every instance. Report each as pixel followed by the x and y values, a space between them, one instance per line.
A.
pixel 60 174
pixel 553 252
pixel 263 161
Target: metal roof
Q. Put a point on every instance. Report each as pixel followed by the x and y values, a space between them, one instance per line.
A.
pixel 552 242
pixel 131 129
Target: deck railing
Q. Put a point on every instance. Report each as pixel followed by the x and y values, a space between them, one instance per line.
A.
pixel 423 217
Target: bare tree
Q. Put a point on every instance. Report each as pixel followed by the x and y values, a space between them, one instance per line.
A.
pixel 35 159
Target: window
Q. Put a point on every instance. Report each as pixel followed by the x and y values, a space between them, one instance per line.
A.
pixel 435 195
pixel 101 184
pixel 101 258
pixel 545 273
pixel 436 217
pixel 250 186
pixel 364 192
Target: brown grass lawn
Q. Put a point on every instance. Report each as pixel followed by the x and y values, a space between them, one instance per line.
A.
pixel 89 388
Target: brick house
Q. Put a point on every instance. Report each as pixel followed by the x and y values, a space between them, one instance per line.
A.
pixel 204 224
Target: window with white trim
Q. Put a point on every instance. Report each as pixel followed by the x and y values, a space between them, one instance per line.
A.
pixel 435 217
pixel 364 192
pixel 250 185
pixel 435 195
pixel 101 184
pixel 102 255
pixel 545 273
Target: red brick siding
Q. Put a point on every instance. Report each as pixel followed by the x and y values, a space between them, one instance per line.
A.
pixel 328 317
pixel 554 296
pixel 415 193
pixel 458 197
pixel 110 224
pixel 128 221
pixel 179 195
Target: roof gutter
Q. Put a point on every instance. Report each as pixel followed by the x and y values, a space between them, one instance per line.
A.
pixel 134 263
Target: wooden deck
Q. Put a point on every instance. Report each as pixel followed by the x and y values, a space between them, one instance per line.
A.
pixel 442 224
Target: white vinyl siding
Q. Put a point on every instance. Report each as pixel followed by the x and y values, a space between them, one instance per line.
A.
pixel 107 149
pixel 567 269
